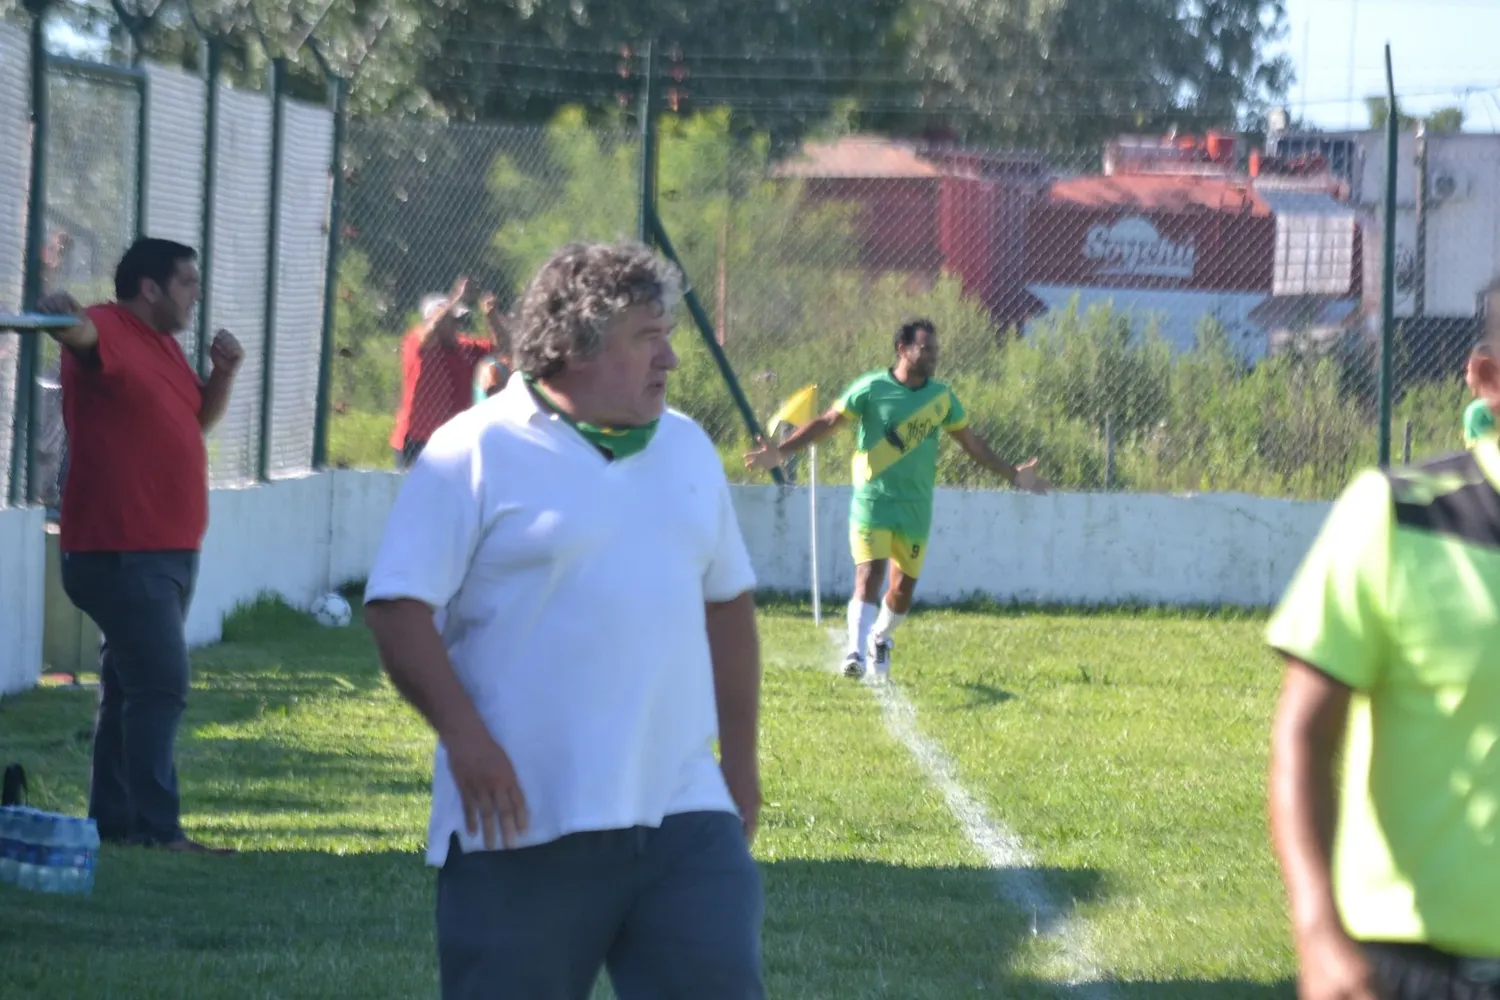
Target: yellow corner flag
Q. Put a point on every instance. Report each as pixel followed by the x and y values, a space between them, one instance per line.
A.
pixel 799 408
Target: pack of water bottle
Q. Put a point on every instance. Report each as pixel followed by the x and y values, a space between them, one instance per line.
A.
pixel 47 852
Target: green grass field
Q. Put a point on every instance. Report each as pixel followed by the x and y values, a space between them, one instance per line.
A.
pixel 1126 751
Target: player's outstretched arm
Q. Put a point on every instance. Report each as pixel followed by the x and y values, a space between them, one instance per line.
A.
pixel 768 456
pixel 1020 476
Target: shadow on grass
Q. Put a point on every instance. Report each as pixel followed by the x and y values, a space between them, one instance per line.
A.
pixel 1186 989
pixel 314 924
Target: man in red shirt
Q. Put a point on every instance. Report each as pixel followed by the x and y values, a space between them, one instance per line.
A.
pixel 438 366
pixel 134 512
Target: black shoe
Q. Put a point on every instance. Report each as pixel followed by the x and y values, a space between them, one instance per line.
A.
pixel 854 665
pixel 880 656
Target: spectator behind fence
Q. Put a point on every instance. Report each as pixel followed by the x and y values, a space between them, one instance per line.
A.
pixel 495 370
pixel 134 512
pixel 438 365
pixel 563 592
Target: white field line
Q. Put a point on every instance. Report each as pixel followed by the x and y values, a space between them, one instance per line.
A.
pixel 1014 867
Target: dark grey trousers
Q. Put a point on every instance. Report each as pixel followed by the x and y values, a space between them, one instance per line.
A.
pixel 140 602
pixel 672 913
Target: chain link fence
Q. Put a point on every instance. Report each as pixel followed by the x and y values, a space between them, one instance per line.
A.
pixel 92 189
pixel 427 204
pixel 97 181
pixel 1445 258
pixel 1145 316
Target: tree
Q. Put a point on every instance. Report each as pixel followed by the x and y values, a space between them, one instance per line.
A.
pixel 1080 70
pixel 1450 119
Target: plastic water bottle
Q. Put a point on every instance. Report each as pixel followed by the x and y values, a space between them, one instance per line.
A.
pixel 29 834
pixel 10 844
pixel 50 853
pixel 79 853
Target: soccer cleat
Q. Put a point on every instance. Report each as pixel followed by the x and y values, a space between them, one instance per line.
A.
pixel 880 656
pixel 854 665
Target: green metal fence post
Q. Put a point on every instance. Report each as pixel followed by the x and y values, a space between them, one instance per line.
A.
pixel 705 326
pixel 136 25
pixel 648 146
pixel 142 134
pixel 273 267
pixel 23 444
pixel 213 61
pixel 1388 279
pixel 340 100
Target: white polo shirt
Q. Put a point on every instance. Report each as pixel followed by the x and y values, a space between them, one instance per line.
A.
pixel 570 595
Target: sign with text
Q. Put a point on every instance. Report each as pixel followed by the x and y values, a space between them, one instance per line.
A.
pixel 1133 248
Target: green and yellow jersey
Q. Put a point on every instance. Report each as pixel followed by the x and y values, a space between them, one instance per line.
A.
pixel 896 447
pixel 1479 420
pixel 1399 598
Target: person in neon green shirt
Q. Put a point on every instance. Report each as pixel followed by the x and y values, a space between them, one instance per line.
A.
pixel 898 415
pixel 1390 631
pixel 1479 418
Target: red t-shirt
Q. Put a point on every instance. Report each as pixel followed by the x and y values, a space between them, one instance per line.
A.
pixel 437 384
pixel 137 465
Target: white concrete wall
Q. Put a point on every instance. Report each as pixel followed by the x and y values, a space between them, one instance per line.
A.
pixel 299 537
pixel 23 575
pixel 1068 548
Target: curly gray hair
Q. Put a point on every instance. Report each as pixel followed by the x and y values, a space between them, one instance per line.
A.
pixel 580 290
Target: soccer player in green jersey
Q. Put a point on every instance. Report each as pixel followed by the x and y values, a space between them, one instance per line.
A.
pixel 1479 419
pixel 1385 749
pixel 897 414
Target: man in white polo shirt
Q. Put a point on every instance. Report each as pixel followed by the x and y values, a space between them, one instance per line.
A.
pixel 563 592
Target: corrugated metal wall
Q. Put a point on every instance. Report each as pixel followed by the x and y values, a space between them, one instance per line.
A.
pixel 15 173
pixel 174 164
pixel 241 203
pixel 81 196
pixel 299 303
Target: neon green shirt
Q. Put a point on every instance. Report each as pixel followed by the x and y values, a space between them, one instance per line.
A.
pixel 896 449
pixel 1479 420
pixel 1399 598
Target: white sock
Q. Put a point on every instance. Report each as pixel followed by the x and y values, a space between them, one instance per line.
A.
pixel 861 617
pixel 887 622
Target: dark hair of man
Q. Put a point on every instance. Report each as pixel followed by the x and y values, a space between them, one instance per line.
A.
pixel 151 258
pixel 906 333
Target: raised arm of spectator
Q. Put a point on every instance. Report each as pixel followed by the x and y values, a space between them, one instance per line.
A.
pixel 456 296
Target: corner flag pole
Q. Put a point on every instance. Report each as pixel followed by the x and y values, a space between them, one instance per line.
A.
pixel 800 408
pixel 812 518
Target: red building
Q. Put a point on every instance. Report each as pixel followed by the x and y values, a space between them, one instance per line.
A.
pixel 1171 232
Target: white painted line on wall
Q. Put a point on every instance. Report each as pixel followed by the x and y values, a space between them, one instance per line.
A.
pixel 1019 883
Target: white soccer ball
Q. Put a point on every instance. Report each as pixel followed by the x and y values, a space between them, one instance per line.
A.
pixel 331 611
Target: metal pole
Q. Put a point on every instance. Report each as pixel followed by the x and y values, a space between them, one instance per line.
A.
pixel 1109 453
pixel 331 273
pixel 812 516
pixel 142 130
pixel 213 63
pixel 1419 282
pixel 273 268
pixel 706 329
pixel 1388 279
pixel 648 146
pixel 23 451
pixel 1406 448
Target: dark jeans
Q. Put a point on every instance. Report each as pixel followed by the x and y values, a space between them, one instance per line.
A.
pixel 1417 972
pixel 673 913
pixel 140 601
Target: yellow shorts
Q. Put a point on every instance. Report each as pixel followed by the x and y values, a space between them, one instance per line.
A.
pixel 871 544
